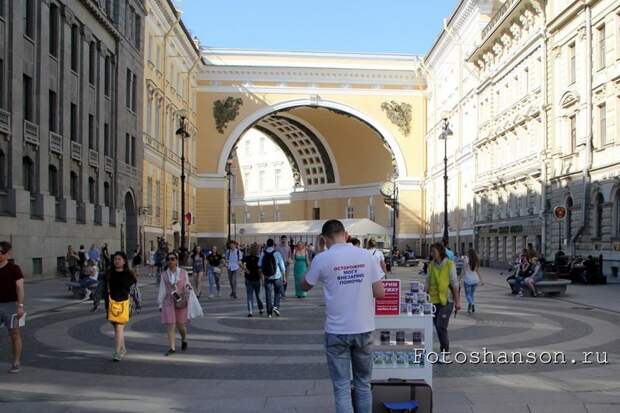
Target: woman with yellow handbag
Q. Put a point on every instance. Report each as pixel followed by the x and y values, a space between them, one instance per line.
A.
pixel 118 282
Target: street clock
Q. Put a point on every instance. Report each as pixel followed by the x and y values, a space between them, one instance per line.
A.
pixel 387 189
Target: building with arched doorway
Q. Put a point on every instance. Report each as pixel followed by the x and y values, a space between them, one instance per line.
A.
pixel 345 124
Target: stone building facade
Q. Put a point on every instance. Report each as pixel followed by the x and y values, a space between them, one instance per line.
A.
pixel 171 63
pixel 584 132
pixel 70 126
pixel 509 161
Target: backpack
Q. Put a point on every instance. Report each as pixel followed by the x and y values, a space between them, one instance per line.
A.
pixel 269 265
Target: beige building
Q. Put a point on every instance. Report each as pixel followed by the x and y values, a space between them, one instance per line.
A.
pixel 584 129
pixel 171 64
pixel 346 123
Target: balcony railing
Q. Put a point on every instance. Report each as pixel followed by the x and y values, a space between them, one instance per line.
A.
pixel 31 133
pixel 56 143
pixel 76 151
pixel 93 158
pixel 109 164
pixel 498 17
pixel 5 121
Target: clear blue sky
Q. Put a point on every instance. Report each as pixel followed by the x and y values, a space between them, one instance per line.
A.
pixel 375 26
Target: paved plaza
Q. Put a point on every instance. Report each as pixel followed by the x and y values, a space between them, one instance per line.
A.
pixel 236 364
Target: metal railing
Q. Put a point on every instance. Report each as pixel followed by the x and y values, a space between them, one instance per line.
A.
pixel 498 17
pixel 31 132
pixel 56 143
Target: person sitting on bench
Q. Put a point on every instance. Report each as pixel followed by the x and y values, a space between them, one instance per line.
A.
pixel 537 275
pixel 90 278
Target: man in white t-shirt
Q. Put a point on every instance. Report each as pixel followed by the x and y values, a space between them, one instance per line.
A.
pixel 351 280
pixel 233 263
pixel 377 255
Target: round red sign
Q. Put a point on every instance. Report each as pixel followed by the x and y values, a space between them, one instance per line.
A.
pixel 559 212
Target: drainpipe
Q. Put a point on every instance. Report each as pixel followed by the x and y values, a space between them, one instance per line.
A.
pixel 545 120
pixel 587 158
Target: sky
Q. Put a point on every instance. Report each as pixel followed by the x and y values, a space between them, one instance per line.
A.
pixel 353 26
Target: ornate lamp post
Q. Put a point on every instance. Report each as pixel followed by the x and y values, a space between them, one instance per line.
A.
pixel 445 134
pixel 183 134
pixel 229 177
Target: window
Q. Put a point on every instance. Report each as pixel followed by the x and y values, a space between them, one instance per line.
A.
pixel 569 218
pixel 75 45
pixel 107 194
pixel 137 30
pixel 52 174
pixel 573 133
pixel 157 198
pixel 28 174
pixel 2 5
pixel 73 186
pixel 2 88
pixel 133 151
pixel 261 180
pixel 316 213
pixel 28 98
pixel 134 93
pixel 261 145
pixel 602 128
pixel 128 89
pixel 127 148
pixel 29 18
pixel 92 62
pixel 572 68
pixel 92 190
pixel 106 139
pixel 350 214
pixel 277 175
pixel 91 131
pixel 598 211
pixel 3 171
pixel 53 111
pixel 74 123
pixel 54 34
pixel 371 212
pixel 107 81
pixel 149 194
pixel 601 46
pixel 617 206
pixel 261 216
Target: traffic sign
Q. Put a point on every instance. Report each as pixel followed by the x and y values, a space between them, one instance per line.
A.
pixel 559 212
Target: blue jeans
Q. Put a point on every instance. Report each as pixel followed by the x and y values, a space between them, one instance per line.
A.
pixel 346 352
pixel 253 288
pixel 273 292
pixel 214 281
pixel 470 289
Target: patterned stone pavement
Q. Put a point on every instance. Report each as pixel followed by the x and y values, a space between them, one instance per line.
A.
pixel 278 365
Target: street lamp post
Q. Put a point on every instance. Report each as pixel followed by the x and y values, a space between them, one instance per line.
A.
pixel 183 134
pixel 229 176
pixel 445 133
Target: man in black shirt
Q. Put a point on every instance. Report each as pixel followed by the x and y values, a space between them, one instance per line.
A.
pixel 252 279
pixel 11 301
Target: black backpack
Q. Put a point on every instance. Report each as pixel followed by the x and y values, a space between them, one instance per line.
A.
pixel 269 265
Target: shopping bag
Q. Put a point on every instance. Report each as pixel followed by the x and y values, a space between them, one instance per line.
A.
pixel 194 309
pixel 118 311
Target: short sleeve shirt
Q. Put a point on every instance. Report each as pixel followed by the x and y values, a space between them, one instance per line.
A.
pixel 234 257
pixel 347 274
pixel 378 256
pixel 9 275
pixel 285 252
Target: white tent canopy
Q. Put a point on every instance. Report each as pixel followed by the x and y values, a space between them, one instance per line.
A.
pixel 361 228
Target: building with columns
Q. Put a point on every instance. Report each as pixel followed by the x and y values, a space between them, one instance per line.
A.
pixel 70 126
pixel 452 93
pixel 583 149
pixel 171 63
pixel 509 150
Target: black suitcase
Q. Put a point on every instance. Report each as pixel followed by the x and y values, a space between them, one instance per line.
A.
pixel 399 390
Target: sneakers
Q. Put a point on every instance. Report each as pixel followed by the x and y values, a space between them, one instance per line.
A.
pixel 473 308
pixel 445 359
pixel 15 368
pixel 211 295
pixel 116 356
pixel 276 311
pixel 260 312
pixel 249 315
pixel 469 308
pixel 269 316
pixel 183 345
pixel 169 352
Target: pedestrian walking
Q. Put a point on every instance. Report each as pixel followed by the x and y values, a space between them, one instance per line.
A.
pixel 285 251
pixel 105 258
pixel 377 255
pixel 199 263
pixel 214 271
pixel 93 254
pixel 252 279
pixel 174 291
pixel 443 287
pixel 351 280
pixel 302 262
pixel 11 302
pixel 471 278
pixel 272 266
pixel 233 260
pixel 136 261
pixel 117 285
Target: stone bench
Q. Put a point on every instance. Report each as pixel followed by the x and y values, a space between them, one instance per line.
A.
pixel 547 286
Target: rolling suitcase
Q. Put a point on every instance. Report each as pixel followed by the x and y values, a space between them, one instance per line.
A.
pixel 399 390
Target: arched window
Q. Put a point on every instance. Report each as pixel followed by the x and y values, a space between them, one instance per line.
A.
pixel 569 218
pixel 598 211
pixel 92 190
pixel 52 174
pixel 73 186
pixel 107 194
pixel 28 174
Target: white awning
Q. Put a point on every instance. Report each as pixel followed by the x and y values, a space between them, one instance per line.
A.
pixel 363 228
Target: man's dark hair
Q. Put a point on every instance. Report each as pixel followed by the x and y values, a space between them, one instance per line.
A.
pixel 5 246
pixel 440 249
pixel 331 228
pixel 270 242
pixel 283 237
pixel 372 243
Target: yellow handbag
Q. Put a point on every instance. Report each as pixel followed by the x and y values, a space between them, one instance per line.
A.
pixel 118 311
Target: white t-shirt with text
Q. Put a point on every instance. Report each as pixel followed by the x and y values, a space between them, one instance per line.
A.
pixel 347 274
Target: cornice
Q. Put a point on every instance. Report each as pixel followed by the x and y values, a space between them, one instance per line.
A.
pixel 310 75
